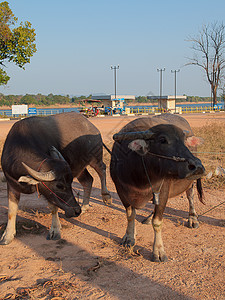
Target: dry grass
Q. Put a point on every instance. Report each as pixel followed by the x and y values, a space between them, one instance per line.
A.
pixel 43 289
pixel 212 152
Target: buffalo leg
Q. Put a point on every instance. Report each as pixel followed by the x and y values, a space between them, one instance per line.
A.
pixel 86 181
pixel 100 168
pixel 157 222
pixel 129 237
pixel 13 201
pixel 192 219
pixel 54 232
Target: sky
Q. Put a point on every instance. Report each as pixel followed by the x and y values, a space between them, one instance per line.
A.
pixel 78 41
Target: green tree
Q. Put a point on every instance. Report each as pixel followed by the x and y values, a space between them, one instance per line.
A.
pixel 4 78
pixel 17 44
pixel 28 99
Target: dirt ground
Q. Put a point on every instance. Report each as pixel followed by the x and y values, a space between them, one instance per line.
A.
pixel 89 262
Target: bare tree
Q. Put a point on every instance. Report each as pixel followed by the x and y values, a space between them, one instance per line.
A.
pixel 209 50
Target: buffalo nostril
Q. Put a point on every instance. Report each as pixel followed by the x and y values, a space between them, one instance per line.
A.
pixel 201 170
pixel 191 167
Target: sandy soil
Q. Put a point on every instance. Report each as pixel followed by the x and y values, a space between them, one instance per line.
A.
pixel 89 263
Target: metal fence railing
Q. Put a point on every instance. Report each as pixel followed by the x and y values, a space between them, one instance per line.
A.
pixel 194 109
pixel 199 109
pixel 131 110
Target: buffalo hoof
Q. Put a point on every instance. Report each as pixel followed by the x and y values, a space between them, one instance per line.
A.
pixel 84 208
pixel 128 241
pixel 52 235
pixel 5 242
pixel 159 258
pixel 6 239
pixel 107 199
pixel 193 222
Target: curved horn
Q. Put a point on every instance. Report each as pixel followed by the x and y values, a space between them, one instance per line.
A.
pixel 41 176
pixel 186 133
pixel 56 154
pixel 133 135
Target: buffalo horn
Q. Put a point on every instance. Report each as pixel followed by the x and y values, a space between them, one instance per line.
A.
pixel 133 135
pixel 186 133
pixel 41 176
pixel 56 154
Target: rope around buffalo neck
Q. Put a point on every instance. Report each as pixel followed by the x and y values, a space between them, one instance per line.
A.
pixel 155 194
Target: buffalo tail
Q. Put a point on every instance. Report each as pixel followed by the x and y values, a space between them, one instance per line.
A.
pixel 201 196
pixel 104 145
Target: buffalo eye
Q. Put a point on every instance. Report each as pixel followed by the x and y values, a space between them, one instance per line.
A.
pixel 163 140
pixel 60 186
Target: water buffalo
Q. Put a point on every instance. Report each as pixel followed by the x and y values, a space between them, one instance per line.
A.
pixel 151 161
pixel 45 154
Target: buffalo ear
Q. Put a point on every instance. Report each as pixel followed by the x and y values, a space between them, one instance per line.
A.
pixel 139 146
pixel 193 141
pixel 28 179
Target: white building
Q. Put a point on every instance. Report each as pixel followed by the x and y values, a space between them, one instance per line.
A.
pixel 168 103
pixel 110 101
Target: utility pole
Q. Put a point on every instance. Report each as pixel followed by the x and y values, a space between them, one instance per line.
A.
pixel 115 68
pixel 160 85
pixel 175 77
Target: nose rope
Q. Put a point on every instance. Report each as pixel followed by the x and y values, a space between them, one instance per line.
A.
pixel 48 187
pixel 55 194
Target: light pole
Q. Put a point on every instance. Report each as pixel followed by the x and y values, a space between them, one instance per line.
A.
pixel 175 80
pixel 223 97
pixel 160 85
pixel 115 68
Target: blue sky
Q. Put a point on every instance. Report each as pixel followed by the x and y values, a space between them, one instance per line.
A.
pixel 78 40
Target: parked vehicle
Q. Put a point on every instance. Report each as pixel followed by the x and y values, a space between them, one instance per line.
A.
pixel 89 109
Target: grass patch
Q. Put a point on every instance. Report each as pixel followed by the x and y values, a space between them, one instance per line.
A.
pixel 212 152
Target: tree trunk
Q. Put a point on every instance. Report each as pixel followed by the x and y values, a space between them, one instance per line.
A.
pixel 214 94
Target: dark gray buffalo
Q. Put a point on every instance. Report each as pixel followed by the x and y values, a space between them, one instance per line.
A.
pixel 151 161
pixel 45 154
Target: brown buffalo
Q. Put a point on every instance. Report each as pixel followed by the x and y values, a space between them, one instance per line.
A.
pixel 151 161
pixel 46 153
